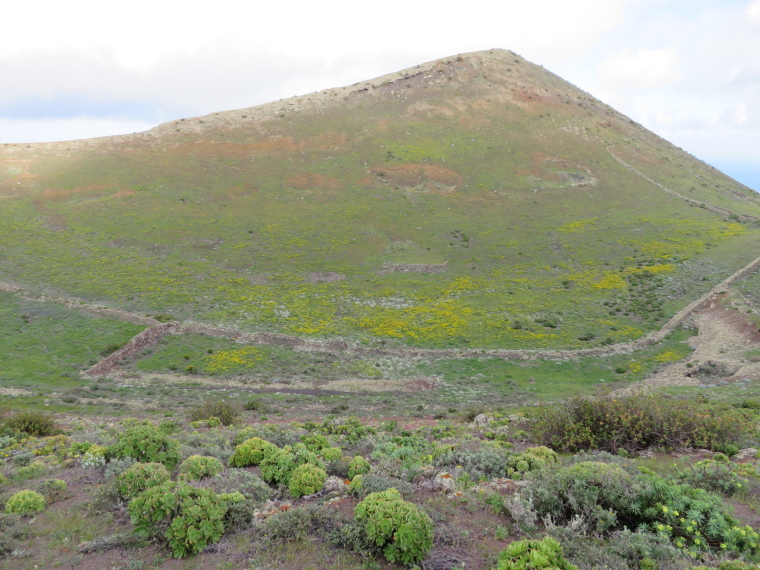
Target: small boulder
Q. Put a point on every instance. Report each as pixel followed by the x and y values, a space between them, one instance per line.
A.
pixel 445 482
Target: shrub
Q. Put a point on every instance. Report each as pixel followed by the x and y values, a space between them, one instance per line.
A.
pixel 226 412
pixel 32 470
pixel 635 423
pixel 307 479
pixel 713 476
pixel 358 466
pixel 140 477
pixel 198 467
pixel 363 485
pixel 251 452
pixel 605 498
pixel 534 554
pixel 32 423
pixel 190 518
pixel 25 503
pixel 303 523
pixel 241 481
pixel 278 465
pixel 146 444
pixel 331 454
pixel 94 456
pixel 315 442
pixel 485 462
pixel 532 459
pixel 397 527
pixel 116 467
pixel 53 490
pixel 349 428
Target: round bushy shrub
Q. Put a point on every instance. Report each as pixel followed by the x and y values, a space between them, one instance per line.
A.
pixel 146 444
pixel 532 459
pixel 190 518
pixel 224 412
pixel 197 467
pixel 278 465
pixel 25 503
pixel 139 477
pixel 251 452
pixel 534 554
pixel 32 423
pixel 397 527
pixel 358 466
pixel 307 479
pixel 331 454
pixel 242 481
pixel 315 442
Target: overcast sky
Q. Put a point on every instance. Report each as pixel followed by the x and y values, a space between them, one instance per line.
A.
pixel 687 69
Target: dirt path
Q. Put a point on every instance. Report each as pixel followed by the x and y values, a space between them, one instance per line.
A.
pixel 725 336
pixel 156 330
pixel 716 209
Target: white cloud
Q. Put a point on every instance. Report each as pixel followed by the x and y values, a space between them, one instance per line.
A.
pixel 34 130
pixel 753 10
pixel 639 68
pixel 739 113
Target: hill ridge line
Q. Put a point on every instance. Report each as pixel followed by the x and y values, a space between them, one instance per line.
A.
pixel 156 330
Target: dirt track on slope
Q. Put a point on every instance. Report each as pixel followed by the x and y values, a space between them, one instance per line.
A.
pixel 150 336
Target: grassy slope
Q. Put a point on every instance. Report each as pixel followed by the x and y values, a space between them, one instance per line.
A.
pixel 226 219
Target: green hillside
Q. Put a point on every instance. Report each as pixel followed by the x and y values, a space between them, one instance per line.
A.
pixel 474 201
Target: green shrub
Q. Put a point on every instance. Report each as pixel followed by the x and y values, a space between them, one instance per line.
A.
pixel 315 442
pixel 718 476
pixel 278 465
pixel 358 466
pixel 251 452
pixel 532 459
pixel 487 462
pixel 53 490
pixel 225 412
pixel 198 467
pixel 32 470
pixel 25 503
pixel 140 477
pixel 363 485
pixel 637 422
pixel 606 497
pixel 351 429
pixel 241 481
pixel 189 518
pixel 331 454
pixel 397 527
pixel 302 523
pixel 240 510
pixel 534 554
pixel 32 423
pixel 146 444
pixel 307 479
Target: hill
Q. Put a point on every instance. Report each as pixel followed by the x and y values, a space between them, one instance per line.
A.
pixel 477 200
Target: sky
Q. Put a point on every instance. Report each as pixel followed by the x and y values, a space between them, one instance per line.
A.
pixel 689 70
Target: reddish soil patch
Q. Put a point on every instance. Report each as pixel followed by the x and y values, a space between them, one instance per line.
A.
pixel 314 182
pixel 421 385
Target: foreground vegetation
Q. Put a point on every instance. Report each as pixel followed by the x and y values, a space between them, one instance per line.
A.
pixel 344 494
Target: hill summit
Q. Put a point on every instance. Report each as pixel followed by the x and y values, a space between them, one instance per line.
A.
pixel 478 200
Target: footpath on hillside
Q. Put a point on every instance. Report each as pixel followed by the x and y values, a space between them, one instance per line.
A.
pixel 156 330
